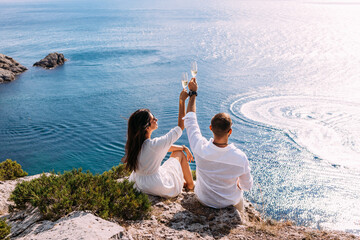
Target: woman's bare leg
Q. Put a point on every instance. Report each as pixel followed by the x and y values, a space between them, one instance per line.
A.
pixel 179 155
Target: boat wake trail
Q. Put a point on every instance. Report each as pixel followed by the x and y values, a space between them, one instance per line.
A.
pixel 327 127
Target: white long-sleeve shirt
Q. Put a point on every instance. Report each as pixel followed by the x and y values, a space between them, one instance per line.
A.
pixel 218 170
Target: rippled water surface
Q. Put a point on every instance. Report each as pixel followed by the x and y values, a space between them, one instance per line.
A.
pixel 287 72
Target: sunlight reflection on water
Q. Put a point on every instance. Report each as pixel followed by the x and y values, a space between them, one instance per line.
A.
pixel 287 71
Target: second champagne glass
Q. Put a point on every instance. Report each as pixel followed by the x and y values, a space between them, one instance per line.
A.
pixel 194 68
pixel 184 79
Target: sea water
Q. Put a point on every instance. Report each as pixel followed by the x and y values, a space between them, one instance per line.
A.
pixel 286 71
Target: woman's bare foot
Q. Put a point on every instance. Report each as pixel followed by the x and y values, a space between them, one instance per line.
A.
pixel 189 187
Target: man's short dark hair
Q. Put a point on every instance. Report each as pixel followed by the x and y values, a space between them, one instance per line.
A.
pixel 221 124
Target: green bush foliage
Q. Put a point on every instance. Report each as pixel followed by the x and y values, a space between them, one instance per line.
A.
pixel 58 195
pixel 10 170
pixel 118 172
pixel 193 172
pixel 4 229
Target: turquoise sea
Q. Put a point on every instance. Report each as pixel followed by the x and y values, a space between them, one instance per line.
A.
pixel 286 71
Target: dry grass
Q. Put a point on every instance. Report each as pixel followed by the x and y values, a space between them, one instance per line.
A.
pixel 269 227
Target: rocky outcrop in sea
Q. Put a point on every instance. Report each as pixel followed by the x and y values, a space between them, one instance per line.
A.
pixel 52 60
pixel 182 217
pixel 9 68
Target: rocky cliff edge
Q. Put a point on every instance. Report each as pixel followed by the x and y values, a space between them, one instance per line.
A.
pixel 180 218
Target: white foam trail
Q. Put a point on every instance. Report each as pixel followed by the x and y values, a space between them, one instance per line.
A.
pixel 329 128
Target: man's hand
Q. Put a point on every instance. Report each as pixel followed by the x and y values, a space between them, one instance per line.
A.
pixel 183 95
pixel 193 85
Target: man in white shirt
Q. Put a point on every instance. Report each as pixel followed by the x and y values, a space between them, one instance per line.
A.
pixel 222 170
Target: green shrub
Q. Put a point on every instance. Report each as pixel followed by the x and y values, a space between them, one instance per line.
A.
pixel 10 170
pixel 118 172
pixel 4 229
pixel 193 172
pixel 58 195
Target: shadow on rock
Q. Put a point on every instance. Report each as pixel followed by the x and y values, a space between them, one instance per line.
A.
pixel 205 220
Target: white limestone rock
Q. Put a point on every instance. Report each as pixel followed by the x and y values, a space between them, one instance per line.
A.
pixel 6 188
pixel 77 225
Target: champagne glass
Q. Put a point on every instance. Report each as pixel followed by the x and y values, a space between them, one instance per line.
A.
pixel 194 68
pixel 184 79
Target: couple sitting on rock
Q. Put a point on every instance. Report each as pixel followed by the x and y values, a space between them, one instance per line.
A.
pixel 222 170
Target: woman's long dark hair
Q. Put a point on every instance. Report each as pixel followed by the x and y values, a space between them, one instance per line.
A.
pixel 137 124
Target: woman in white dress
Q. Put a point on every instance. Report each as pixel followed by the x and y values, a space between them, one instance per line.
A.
pixel 144 155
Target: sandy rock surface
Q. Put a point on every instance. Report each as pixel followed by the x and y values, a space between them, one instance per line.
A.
pixel 9 68
pixel 185 218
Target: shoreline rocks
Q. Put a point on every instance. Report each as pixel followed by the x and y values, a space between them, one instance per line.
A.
pixel 52 60
pixel 9 68
pixel 182 217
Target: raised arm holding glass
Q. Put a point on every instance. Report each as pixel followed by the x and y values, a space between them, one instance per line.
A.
pixel 143 155
pixel 222 170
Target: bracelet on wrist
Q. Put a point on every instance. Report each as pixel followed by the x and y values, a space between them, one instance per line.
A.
pixel 191 93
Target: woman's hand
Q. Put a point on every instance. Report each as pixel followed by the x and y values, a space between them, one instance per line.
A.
pixel 183 95
pixel 189 156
